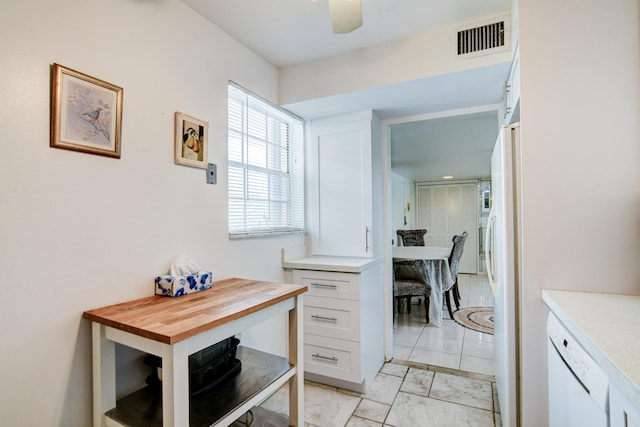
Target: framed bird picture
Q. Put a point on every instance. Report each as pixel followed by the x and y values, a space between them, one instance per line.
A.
pixel 191 141
pixel 86 113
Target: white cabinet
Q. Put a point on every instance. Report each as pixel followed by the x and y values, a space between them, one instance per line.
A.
pixel 449 209
pixel 343 324
pixel 511 95
pixel 622 412
pixel 340 185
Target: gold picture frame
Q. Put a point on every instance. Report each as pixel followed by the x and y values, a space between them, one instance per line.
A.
pixel 86 113
pixel 191 141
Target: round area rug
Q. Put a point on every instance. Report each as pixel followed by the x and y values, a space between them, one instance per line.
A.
pixel 476 318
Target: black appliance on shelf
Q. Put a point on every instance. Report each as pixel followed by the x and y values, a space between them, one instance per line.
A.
pixel 207 367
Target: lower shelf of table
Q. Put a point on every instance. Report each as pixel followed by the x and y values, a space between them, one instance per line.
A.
pixel 260 417
pixel 143 408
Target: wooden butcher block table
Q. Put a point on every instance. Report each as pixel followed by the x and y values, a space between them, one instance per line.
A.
pixel 174 328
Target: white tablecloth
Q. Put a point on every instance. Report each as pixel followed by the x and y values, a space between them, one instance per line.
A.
pixel 433 269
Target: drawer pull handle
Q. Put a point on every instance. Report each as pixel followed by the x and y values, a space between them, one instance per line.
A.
pixel 325 285
pixel 332 358
pixel 328 319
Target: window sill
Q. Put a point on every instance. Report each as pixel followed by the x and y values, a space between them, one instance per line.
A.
pixel 256 235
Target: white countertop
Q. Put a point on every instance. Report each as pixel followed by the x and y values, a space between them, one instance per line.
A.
pixel 608 327
pixel 325 263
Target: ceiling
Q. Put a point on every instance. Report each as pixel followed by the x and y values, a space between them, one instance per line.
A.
pixel 458 146
pixel 287 32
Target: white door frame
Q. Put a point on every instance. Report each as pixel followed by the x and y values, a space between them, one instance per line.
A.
pixel 387 232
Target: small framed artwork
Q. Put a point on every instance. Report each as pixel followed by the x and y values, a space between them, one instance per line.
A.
pixel 191 141
pixel 86 113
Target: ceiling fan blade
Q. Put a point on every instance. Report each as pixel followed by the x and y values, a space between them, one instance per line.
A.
pixel 346 15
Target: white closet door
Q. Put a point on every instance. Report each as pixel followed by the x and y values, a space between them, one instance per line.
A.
pixel 446 210
pixel 438 227
pixel 454 212
pixel 469 218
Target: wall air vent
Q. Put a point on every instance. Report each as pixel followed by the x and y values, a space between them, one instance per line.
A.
pixel 482 38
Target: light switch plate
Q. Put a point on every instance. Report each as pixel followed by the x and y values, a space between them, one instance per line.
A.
pixel 212 174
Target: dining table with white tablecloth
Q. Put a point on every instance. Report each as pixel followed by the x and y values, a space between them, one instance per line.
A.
pixel 432 268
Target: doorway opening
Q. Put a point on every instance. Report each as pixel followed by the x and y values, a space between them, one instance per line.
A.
pixel 421 151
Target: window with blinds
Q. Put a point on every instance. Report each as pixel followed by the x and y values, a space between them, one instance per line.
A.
pixel 266 169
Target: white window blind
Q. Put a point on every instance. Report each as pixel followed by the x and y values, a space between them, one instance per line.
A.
pixel 266 169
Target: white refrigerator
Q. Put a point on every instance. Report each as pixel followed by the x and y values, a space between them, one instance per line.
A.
pixel 503 268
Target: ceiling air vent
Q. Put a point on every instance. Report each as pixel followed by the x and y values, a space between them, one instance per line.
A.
pixel 482 39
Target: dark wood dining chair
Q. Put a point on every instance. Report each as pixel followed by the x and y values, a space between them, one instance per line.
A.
pixel 411 237
pixel 454 261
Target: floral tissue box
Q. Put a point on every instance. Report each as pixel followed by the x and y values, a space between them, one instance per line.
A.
pixel 174 286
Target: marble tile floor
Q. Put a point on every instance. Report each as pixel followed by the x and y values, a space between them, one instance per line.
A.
pixel 404 394
pixel 438 377
pixel 451 345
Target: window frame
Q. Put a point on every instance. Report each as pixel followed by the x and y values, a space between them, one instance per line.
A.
pixel 265 142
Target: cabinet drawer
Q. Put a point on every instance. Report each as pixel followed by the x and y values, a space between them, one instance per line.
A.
pixel 331 317
pixel 332 358
pixel 329 284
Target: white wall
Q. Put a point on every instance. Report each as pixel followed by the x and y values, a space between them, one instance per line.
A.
pixel 402 192
pixel 397 200
pixel 422 55
pixel 515 23
pixel 79 231
pixel 580 103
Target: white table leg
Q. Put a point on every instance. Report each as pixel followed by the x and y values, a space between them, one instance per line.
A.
pixel 296 356
pixel 104 373
pixel 175 386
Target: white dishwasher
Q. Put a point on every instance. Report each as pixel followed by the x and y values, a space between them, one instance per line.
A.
pixel 578 387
